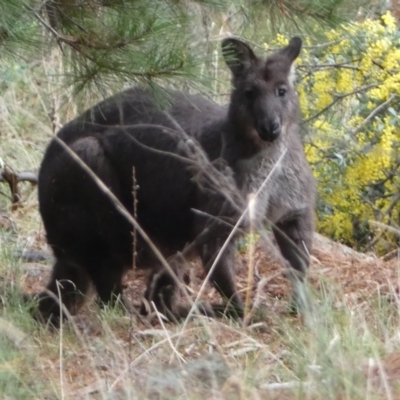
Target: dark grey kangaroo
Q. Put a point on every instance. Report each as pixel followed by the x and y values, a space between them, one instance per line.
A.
pixel 92 241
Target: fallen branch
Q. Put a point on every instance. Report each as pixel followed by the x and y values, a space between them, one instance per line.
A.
pixel 284 385
pixel 8 175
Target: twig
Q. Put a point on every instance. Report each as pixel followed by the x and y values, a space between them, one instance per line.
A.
pixel 392 204
pixel 391 255
pixel 372 115
pixel 135 203
pixel 250 275
pixel 26 176
pixel 167 335
pixel 340 97
pixel 144 354
pixel 323 45
pixel 284 385
pixel 8 175
pixel 344 65
pixel 313 47
pixel 61 356
pixel 384 226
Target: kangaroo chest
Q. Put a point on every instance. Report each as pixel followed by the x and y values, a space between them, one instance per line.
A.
pixel 278 184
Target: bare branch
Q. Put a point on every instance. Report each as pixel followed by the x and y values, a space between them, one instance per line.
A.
pixel 344 65
pixel 340 97
pixel 375 240
pixel 373 114
pixel 8 175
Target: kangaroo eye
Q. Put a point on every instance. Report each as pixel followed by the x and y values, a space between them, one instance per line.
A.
pixel 281 91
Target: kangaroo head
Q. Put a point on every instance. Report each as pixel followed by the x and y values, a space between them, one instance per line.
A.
pixel 263 98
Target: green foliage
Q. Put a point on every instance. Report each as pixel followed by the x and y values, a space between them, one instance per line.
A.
pixel 244 243
pixel 293 16
pixel 110 43
pixel 105 43
pixel 349 92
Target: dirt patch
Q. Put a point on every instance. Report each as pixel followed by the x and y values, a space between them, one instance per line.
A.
pixel 357 276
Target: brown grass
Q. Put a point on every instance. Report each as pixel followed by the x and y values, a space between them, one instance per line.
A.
pixel 118 350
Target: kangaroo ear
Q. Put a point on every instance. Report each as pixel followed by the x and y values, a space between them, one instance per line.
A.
pixel 292 50
pixel 238 56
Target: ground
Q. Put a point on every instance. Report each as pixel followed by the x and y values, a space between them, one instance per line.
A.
pixel 349 343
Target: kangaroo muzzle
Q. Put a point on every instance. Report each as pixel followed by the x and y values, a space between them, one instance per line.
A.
pixel 269 130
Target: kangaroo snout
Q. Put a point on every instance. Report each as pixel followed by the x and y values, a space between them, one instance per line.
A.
pixel 269 130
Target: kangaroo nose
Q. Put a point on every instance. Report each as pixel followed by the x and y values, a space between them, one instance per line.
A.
pixel 269 131
pixel 275 128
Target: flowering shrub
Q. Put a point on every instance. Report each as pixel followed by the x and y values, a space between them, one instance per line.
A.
pixel 349 87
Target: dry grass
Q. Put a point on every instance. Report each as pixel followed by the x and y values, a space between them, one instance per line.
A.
pixel 348 348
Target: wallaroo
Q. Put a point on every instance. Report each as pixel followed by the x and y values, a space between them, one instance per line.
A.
pixel 195 163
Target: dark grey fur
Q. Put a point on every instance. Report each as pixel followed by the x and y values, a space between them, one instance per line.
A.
pixel 92 241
